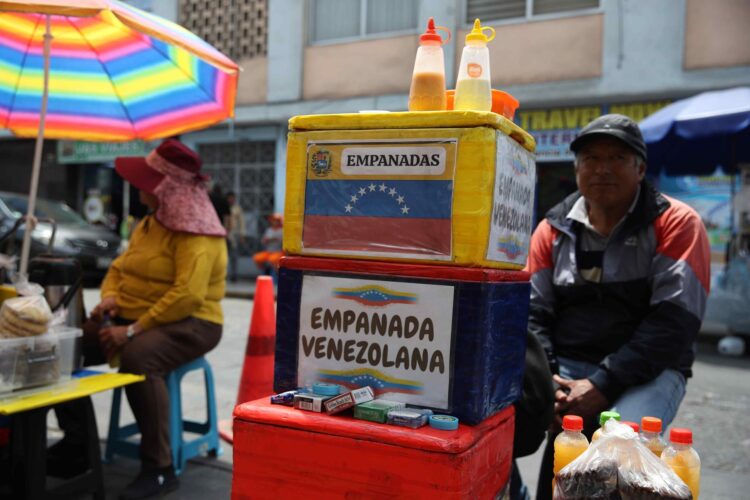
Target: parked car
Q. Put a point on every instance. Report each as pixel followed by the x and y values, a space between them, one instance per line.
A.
pixel 95 247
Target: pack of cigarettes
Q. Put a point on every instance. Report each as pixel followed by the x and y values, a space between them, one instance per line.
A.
pixel 284 398
pixel 310 402
pixel 377 410
pixel 348 400
pixel 409 417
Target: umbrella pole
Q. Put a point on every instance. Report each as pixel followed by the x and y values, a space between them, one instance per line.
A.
pixel 37 155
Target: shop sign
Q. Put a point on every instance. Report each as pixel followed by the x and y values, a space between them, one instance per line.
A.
pixel 555 128
pixel 394 336
pixel 380 198
pixel 98 152
pixel 513 203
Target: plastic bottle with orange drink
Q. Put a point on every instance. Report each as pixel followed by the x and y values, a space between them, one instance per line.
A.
pixel 570 443
pixel 651 435
pixel 683 459
pixel 603 417
pixel 427 91
pixel 474 85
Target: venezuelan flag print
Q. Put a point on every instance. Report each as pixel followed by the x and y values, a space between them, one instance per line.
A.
pixel 374 295
pixel 379 217
pixel 380 382
pixel 115 74
pixel 391 199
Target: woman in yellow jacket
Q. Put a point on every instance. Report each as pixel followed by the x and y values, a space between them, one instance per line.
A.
pixel 162 296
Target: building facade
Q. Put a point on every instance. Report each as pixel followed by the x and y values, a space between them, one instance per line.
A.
pixel 566 61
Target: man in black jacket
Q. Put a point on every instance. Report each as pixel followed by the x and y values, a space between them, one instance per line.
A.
pixel 620 278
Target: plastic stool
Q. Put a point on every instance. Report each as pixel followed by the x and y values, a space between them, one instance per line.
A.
pixel 207 442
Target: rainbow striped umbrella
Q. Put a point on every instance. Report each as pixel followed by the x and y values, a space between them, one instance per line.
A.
pixel 101 70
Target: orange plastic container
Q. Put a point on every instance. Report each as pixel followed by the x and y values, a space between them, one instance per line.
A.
pixel 502 103
pixel 280 452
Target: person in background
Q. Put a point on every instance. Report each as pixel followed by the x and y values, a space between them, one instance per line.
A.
pixel 219 202
pixel 235 226
pixel 160 304
pixel 619 281
pixel 267 260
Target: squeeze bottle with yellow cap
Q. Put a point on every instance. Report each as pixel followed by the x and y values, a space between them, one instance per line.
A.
pixel 473 87
pixel 427 92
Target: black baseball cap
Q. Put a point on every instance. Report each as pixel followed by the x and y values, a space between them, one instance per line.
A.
pixel 614 125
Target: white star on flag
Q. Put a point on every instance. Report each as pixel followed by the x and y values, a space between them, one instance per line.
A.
pixel 372 187
pixel 383 187
pixel 405 210
pixel 354 198
pixel 348 208
pixel 362 191
pixel 392 192
pixel 400 200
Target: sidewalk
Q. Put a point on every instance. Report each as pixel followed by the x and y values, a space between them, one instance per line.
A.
pixel 715 406
pixel 241 289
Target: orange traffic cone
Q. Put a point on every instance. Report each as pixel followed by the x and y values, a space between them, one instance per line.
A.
pixel 257 369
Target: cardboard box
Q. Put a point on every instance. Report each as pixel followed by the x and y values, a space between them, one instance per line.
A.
pixel 348 400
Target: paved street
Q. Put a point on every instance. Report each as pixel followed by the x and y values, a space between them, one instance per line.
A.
pixel 717 406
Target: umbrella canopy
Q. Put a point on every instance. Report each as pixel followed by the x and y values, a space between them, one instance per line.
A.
pixel 101 70
pixel 694 135
pixel 115 74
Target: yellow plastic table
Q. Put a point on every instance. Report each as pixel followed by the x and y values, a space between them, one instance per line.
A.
pixel 28 441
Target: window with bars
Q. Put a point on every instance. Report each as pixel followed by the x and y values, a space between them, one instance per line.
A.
pixel 496 10
pixel 340 19
pixel 238 28
pixel 247 169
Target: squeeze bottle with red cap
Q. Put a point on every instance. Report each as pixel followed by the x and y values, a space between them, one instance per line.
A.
pixel 427 91
pixel 683 459
pixel 570 443
pixel 473 87
pixel 651 435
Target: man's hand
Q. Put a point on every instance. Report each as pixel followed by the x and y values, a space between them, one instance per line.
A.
pixel 560 397
pixel 112 339
pixel 107 305
pixel 578 397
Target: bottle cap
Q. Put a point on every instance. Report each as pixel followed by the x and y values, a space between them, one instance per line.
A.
pixel 430 34
pixel 477 33
pixel 682 436
pixel 633 426
pixel 324 389
pixel 572 423
pixel 444 422
pixel 606 415
pixel 651 424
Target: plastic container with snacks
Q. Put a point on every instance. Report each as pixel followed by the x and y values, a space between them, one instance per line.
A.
pixel 37 360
